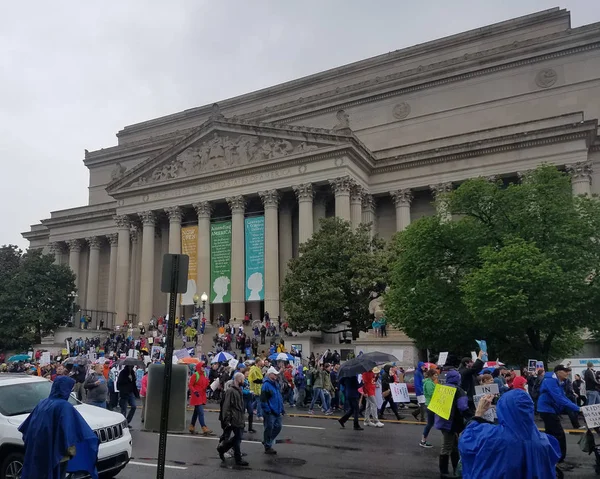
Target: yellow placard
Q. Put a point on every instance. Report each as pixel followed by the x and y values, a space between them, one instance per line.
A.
pixel 64 352
pixel 441 401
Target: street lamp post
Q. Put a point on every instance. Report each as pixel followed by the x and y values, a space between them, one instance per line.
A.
pixel 73 297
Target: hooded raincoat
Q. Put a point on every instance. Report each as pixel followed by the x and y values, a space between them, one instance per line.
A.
pixel 197 386
pixel 513 448
pixel 419 379
pixel 51 429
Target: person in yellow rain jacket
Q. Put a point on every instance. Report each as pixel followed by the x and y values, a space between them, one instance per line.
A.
pixel 255 378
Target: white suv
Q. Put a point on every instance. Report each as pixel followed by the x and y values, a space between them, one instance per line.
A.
pixel 20 394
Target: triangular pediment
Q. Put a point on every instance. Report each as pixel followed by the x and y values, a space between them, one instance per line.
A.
pixel 223 145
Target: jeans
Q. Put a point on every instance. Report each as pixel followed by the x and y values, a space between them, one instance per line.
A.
pixel 429 425
pixel 234 441
pixel 198 414
pixel 114 398
pixel 101 404
pixel 300 397
pixel 123 401
pixel 317 392
pixel 249 407
pixel 257 405
pixel 553 427
pixel 272 426
pixel 289 397
pixel 353 402
pixel 593 397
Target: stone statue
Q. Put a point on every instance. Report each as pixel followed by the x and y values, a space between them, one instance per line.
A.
pixel 215 113
pixel 343 121
pixel 117 172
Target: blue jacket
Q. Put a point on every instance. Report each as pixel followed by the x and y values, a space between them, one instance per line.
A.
pixel 419 379
pixel 513 448
pixel 51 428
pixel 552 396
pixel 270 398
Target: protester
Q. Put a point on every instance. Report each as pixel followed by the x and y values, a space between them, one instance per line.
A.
pixel 143 392
pixel 57 439
pixel 197 386
pixel 272 407
pixel 369 380
pixel 579 390
pixel 255 378
pixel 232 413
pixel 126 383
pixel 248 400
pixel 418 382
pixel 515 448
pixel 300 382
pixel 351 393
pixel 431 377
pixel 113 392
pixel 520 382
pixel 317 390
pixel 552 402
pixel 453 426
pixel 592 386
pixel 468 371
pixel 96 387
pixel 386 393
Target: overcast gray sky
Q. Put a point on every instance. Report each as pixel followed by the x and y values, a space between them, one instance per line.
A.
pixel 74 73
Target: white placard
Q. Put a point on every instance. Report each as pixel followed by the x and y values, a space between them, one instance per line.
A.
pixel 45 359
pixel 591 415
pixel 487 389
pixel 473 356
pixel 490 414
pixel 233 363
pixel 181 354
pixel 399 392
pixel 215 384
pixel 443 358
pixel 131 353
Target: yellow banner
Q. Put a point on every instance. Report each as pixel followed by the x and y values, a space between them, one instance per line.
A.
pixel 189 246
pixel 441 401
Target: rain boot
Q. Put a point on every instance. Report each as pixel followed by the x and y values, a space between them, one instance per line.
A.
pixel 455 458
pixel 206 431
pixel 192 429
pixel 444 467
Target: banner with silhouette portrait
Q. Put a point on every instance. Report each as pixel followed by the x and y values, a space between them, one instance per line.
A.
pixel 220 262
pixel 254 227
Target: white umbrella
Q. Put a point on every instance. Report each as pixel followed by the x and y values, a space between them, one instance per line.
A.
pixel 222 357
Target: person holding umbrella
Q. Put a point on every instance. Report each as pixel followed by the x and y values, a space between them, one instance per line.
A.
pixel 351 394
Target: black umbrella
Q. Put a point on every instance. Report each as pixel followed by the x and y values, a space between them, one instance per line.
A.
pixel 80 360
pixel 356 366
pixel 380 357
pixel 132 362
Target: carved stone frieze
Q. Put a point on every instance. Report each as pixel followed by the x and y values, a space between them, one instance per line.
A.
pixel 237 204
pixel 342 185
pixel 222 152
pixel 304 192
pixel 118 172
pixel 546 78
pixel 343 121
pixel 269 198
pixel 402 197
pixel 203 209
pixel 401 110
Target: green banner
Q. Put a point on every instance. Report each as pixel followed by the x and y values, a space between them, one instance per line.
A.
pixel 220 262
pixel 255 258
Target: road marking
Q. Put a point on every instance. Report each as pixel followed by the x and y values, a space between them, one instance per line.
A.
pixel 294 425
pixel 135 463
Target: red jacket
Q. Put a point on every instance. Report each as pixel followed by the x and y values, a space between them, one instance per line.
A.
pixel 369 383
pixel 197 386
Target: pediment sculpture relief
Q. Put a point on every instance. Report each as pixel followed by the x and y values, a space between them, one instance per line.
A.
pixel 221 152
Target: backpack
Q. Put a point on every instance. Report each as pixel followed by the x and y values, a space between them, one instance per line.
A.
pixel 535 390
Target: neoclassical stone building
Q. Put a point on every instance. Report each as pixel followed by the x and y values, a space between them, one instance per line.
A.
pixel 374 141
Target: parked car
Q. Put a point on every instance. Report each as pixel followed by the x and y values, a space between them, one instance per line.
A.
pixel 20 394
pixel 409 379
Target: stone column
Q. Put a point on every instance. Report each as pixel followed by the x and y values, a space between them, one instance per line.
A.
pixel 174 213
pixel 440 191
pixel 56 250
pixel 402 199
pixel 368 212
pixel 305 194
pixel 164 249
pixel 319 210
pixel 74 254
pixel 93 273
pixel 285 244
pixel 133 260
pixel 581 178
pixel 270 201
pixel 356 195
pixel 112 275
pixel 122 280
pixel 203 210
pixel 341 189
pixel 147 268
pixel 238 268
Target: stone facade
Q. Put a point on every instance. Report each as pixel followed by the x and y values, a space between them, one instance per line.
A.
pixel 376 141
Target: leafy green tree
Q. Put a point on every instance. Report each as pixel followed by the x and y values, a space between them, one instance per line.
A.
pixel 332 279
pixel 34 296
pixel 517 266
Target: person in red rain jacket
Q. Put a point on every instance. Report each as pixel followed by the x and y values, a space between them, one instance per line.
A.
pixel 197 386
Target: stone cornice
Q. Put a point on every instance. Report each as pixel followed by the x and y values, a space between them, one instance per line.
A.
pixel 80 218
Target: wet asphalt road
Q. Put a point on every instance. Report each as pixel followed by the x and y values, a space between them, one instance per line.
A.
pixel 309 448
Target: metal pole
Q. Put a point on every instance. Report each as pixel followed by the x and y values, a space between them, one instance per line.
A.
pixel 164 414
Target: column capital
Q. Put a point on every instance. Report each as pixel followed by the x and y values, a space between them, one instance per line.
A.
pixel 237 204
pixel 441 188
pixel 94 241
pixel 56 247
pixel 270 198
pixel 402 197
pixel 174 213
pixel 581 170
pixel 523 175
pixel 368 202
pixel 304 192
pixel 113 239
pixel 342 185
pixel 122 221
pixel 74 245
pixel 356 194
pixel 203 209
pixel 148 218
pixel 134 234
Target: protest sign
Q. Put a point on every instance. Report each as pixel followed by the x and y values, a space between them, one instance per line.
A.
pixel 45 359
pixel 181 354
pixel 490 414
pixel 65 352
pixel 539 365
pixel 441 401
pixel 131 353
pixel 487 389
pixel 233 363
pixel 483 346
pixel 591 415
pixel 473 356
pixel 531 364
pixel 150 340
pixel 443 358
pixel 399 392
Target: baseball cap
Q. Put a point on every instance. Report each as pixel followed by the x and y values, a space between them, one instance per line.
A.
pixel 560 367
pixel 272 370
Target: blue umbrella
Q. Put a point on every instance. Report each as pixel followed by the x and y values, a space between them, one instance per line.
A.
pixel 222 358
pixel 19 357
pixel 281 357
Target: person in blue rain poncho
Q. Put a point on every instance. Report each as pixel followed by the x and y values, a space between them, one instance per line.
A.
pixel 513 448
pixel 57 439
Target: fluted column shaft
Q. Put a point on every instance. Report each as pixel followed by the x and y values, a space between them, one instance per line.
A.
pixel 305 194
pixel 356 194
pixel 341 189
pixel 93 273
pixel 238 269
pixel 113 239
pixel 319 211
pixel 402 199
pixel 147 268
pixel 368 212
pixel 581 178
pixel 122 282
pixel 204 210
pixel 440 192
pixel 270 201
pixel 285 244
pixel 134 267
pixel 74 255
pixel 174 213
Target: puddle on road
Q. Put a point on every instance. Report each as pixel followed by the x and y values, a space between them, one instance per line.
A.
pixel 287 461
